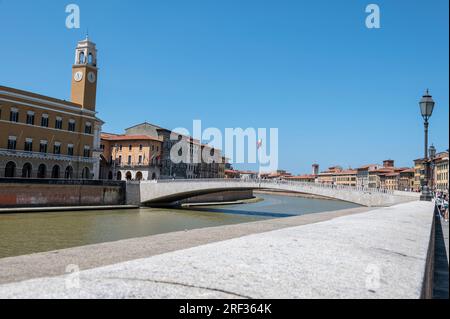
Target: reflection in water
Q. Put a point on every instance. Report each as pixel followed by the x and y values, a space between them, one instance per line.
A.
pixel 29 233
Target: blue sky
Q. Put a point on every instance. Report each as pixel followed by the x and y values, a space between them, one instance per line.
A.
pixel 338 92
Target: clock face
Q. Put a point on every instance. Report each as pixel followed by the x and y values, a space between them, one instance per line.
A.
pixel 78 76
pixel 91 77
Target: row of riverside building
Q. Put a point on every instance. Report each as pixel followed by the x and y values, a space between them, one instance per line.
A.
pixel 44 137
pixel 385 176
pixel 144 153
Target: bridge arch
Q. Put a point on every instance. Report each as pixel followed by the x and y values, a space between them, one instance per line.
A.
pixel 167 191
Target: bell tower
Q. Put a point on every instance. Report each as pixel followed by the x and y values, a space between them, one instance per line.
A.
pixel 84 75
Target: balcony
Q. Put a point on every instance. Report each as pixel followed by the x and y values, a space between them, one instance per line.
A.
pixel 46 156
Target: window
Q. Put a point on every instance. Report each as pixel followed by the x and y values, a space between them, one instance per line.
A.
pixel 30 118
pixel 44 120
pixel 120 159
pixel 28 145
pixel 140 159
pixel 43 147
pixel 88 128
pixel 129 159
pixel 102 147
pixel 14 115
pixel 12 143
pixel 120 147
pixel 81 59
pixel 130 147
pixel 57 148
pixel 70 149
pixel 86 152
pixel 58 123
pixel 71 126
pixel 140 147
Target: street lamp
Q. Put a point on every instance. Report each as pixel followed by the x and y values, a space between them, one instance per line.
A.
pixel 426 109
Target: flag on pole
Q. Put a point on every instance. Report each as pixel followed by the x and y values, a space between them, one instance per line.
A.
pixel 259 143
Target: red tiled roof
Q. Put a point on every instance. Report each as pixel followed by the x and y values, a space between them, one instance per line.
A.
pixel 393 174
pixel 347 172
pixel 112 137
pixel 368 166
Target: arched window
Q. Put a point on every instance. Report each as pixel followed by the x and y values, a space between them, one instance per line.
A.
pixel 82 58
pixel 119 176
pixel 139 176
pixel 91 58
pixel 128 176
pixel 55 172
pixel 153 176
pixel 26 170
pixel 42 171
pixel 86 173
pixel 10 169
pixel 68 173
pixel 110 175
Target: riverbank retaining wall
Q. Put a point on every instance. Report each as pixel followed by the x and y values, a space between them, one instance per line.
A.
pixel 53 192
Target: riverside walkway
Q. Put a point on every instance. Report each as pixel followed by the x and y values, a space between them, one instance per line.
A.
pixel 376 253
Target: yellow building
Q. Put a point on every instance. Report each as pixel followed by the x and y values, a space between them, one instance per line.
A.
pixel 130 157
pixel 419 170
pixel 345 177
pixel 441 172
pixel 329 176
pixel 44 137
pixel 391 181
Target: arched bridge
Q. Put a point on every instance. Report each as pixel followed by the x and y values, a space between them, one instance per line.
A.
pixel 169 191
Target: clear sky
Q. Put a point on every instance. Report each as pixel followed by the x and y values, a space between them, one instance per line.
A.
pixel 338 92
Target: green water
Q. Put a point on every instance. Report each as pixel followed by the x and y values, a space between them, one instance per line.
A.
pixel 22 234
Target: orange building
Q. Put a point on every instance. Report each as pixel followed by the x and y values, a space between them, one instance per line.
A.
pixel 130 157
pixel 44 137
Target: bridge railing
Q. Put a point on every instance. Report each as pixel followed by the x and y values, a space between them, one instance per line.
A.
pixel 268 182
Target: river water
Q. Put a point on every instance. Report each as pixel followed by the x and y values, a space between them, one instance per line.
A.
pixel 22 234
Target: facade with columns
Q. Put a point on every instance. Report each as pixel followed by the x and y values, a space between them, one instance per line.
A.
pixel 45 137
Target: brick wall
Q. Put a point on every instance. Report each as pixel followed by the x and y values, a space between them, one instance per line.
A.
pixel 35 193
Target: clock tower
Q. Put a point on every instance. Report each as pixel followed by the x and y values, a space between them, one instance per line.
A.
pixel 84 75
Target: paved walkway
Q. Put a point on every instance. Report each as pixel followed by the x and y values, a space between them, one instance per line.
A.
pixel 377 254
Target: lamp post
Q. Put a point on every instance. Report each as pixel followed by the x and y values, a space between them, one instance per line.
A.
pixel 426 109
